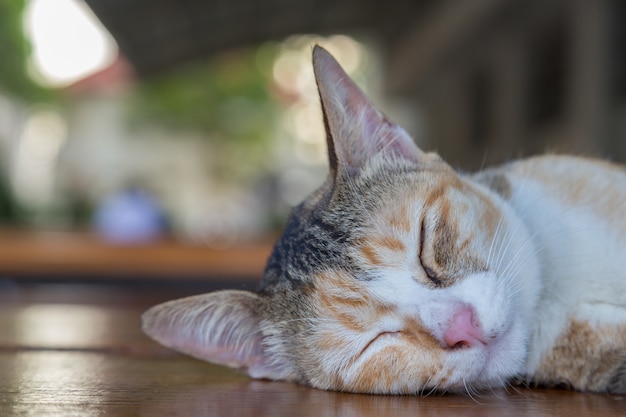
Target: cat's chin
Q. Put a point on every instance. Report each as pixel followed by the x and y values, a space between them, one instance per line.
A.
pixel 494 364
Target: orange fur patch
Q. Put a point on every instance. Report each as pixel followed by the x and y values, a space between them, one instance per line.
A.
pixel 370 254
pixel 584 357
pixel 596 185
pixel 416 332
pixel 389 242
pixel 435 195
pixel 347 301
pixel 400 219
pixel 385 250
pixel 380 370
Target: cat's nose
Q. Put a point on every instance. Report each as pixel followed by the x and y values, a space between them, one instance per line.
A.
pixel 464 330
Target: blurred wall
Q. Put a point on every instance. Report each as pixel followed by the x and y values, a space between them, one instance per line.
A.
pixel 497 80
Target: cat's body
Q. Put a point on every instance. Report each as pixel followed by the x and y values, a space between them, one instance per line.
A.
pixel 576 211
pixel 400 275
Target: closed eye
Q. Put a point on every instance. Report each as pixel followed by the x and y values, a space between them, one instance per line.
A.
pixel 378 338
pixel 430 273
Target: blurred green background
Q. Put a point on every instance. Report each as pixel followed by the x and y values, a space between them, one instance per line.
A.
pixel 203 116
pixel 224 146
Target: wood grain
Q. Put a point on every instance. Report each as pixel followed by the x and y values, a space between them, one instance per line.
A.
pixel 73 358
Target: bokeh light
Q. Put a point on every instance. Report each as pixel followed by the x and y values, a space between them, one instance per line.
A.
pixel 69 43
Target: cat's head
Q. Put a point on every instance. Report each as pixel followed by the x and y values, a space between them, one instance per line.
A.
pixel 396 276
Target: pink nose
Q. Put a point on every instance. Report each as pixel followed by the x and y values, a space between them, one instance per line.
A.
pixel 464 330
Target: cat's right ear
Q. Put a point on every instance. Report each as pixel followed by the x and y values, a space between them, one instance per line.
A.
pixel 356 131
pixel 223 327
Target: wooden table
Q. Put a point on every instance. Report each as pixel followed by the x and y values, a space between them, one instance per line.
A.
pixel 48 255
pixel 76 350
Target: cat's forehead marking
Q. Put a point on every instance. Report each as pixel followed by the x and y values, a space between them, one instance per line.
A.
pixel 435 195
pixel 445 238
pixel 476 203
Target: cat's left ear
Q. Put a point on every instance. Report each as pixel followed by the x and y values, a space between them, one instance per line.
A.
pixel 222 327
pixel 355 129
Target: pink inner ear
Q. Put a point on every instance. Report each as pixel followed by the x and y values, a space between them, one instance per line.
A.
pixel 220 328
pixel 358 129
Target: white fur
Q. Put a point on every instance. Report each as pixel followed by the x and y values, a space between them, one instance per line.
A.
pixel 581 257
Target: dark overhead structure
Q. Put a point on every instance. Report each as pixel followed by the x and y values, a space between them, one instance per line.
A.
pixel 494 79
pixel 157 35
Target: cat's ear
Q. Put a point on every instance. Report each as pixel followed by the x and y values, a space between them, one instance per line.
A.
pixel 221 327
pixel 355 129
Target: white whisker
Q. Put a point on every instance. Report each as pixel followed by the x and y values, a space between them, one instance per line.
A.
pixel 471 393
pixel 493 240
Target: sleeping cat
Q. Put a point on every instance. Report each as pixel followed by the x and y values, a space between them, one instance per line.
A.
pixel 401 276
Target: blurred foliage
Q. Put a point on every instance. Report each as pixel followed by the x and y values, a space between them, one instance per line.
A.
pixel 16 82
pixel 8 205
pixel 226 99
pixel 14 52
